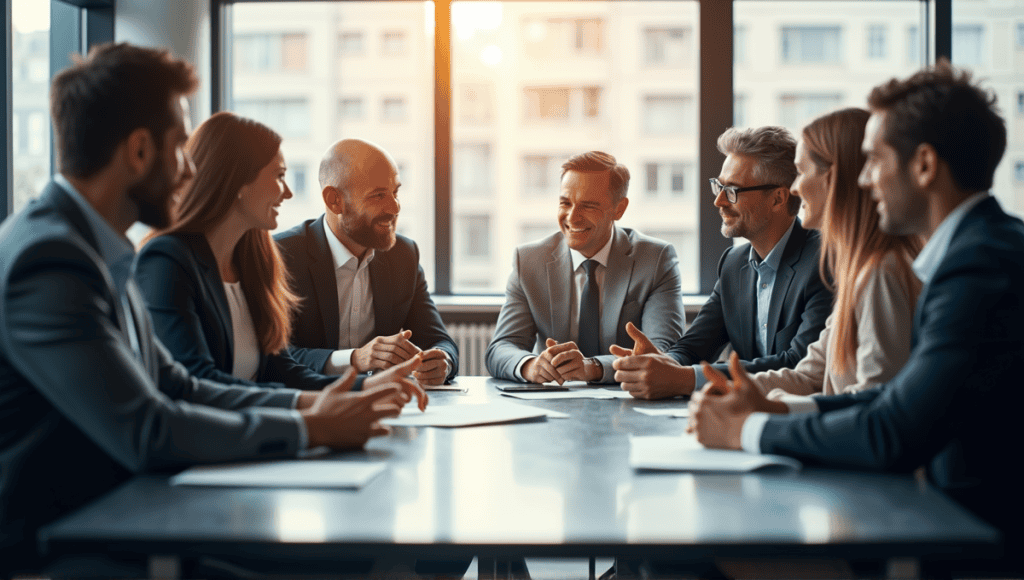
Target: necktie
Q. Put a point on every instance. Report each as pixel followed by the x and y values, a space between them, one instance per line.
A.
pixel 589 339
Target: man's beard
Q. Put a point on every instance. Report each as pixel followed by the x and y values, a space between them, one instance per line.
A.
pixel 152 196
pixel 362 232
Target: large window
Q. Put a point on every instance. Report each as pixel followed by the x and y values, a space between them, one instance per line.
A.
pixel 317 72
pixel 30 77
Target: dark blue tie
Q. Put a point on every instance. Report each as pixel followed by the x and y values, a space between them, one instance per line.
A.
pixel 589 339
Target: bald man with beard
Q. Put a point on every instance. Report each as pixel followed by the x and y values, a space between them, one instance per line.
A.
pixel 375 310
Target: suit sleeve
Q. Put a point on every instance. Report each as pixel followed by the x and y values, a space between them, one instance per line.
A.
pixel 515 333
pixel 806 378
pixel 168 282
pixel 58 326
pixel 428 329
pixel 282 368
pixel 965 349
pixel 707 336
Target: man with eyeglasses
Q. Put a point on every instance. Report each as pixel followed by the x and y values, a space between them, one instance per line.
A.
pixel 769 302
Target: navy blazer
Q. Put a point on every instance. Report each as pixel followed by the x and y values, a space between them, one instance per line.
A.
pixel 82 406
pixel 956 404
pixel 184 291
pixel 799 306
pixel 400 296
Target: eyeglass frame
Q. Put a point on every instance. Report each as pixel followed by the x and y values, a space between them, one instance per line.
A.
pixel 732 192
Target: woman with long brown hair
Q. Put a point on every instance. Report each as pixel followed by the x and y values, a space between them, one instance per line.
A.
pixel 866 340
pixel 214 281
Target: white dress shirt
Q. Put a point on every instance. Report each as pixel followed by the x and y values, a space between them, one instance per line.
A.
pixel 579 279
pixel 247 348
pixel 355 303
pixel 924 267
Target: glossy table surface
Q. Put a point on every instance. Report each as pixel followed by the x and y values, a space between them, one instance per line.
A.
pixel 545 487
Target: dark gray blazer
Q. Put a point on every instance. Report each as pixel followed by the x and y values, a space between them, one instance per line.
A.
pixel 400 296
pixel 179 278
pixel 80 410
pixel 955 407
pixel 796 315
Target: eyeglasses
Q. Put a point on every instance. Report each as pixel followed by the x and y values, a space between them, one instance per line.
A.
pixel 732 192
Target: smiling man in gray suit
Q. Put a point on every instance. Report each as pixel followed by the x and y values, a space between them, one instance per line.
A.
pixel 571 294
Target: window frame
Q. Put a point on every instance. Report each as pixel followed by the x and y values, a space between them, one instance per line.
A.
pixel 714 111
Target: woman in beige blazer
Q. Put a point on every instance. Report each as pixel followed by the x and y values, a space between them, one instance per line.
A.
pixel 866 340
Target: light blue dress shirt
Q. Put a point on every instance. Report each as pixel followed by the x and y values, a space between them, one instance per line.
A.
pixel 766 270
pixel 924 266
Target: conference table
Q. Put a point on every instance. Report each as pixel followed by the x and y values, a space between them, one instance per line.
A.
pixel 546 487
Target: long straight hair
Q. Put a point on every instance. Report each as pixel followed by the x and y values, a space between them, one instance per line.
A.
pixel 230 151
pixel 852 241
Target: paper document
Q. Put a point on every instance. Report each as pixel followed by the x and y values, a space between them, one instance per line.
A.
pixel 670 412
pixel 684 453
pixel 573 394
pixel 463 415
pixel 308 474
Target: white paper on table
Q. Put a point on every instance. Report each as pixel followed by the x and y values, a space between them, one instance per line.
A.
pixel 673 412
pixel 463 415
pixel 307 474
pixel 573 394
pixel 684 453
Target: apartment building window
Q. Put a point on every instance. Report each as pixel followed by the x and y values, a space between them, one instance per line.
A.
pixel 666 180
pixel 739 45
pixel 531 232
pixel 913 45
pixel 270 52
pixel 350 43
pixel 668 46
pixel 968 44
pixel 877 41
pixel 1020 35
pixel 476 236
pixel 667 115
pixel 394 43
pixel 473 169
pixel 30 129
pixel 297 178
pixel 350 109
pixel 542 175
pixel 795 110
pixel 1018 172
pixel 739 110
pixel 562 104
pixel 560 37
pixel 394 110
pixel 289 117
pixel 812 44
pixel 476 103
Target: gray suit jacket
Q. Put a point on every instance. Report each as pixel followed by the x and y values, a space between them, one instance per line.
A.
pixel 641 286
pixel 80 409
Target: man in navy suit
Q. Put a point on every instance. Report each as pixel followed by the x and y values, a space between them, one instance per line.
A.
pixel 932 143
pixel 769 302
pixel 365 302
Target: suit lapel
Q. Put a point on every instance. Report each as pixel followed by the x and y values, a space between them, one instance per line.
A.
pixel 617 278
pixel 215 287
pixel 325 284
pixel 382 290
pixel 559 271
pixel 783 277
pixel 747 308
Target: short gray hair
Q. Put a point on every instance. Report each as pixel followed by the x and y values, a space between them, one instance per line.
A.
pixel 774 150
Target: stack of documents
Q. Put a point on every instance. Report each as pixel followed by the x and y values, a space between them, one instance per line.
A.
pixel 306 474
pixel 467 415
pixel 684 453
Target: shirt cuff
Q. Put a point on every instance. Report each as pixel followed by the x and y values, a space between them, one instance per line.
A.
pixel 750 436
pixel 698 377
pixel 339 361
pixel 798 404
pixel 519 368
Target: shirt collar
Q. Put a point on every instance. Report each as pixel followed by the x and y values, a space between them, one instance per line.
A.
pixel 774 257
pixel 601 257
pixel 115 249
pixel 341 254
pixel 934 251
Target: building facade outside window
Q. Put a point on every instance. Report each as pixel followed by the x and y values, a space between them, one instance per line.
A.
pixel 812 44
pixel 878 41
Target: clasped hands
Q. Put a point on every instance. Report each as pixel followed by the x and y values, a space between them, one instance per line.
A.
pixel 384 352
pixel 341 419
pixel 560 362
